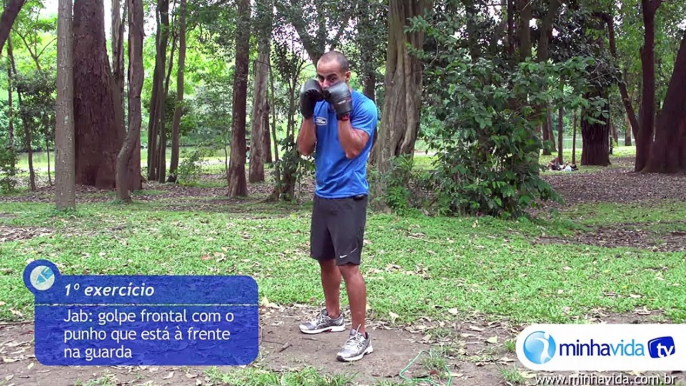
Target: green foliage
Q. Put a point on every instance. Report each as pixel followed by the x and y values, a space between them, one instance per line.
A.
pixel 487 141
pixel 38 105
pixel 8 168
pixel 191 167
pixel 401 182
pixel 290 169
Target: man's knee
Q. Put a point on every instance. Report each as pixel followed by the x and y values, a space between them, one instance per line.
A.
pixel 327 264
pixel 349 270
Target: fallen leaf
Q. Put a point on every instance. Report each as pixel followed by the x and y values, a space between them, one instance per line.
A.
pixel 393 315
pixel 453 311
pixel 205 257
pixel 168 376
pixel 493 340
pixel 506 359
pixel 635 296
pixel 265 302
pixel 527 374
pixel 475 328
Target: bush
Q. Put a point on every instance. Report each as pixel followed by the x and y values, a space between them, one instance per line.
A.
pixel 8 169
pixel 190 169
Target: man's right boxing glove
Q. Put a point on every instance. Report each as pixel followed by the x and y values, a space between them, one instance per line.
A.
pixel 310 94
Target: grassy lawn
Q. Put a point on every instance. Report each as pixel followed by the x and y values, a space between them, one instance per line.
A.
pixel 414 267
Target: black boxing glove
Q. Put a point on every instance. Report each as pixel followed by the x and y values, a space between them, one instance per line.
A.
pixel 339 97
pixel 310 94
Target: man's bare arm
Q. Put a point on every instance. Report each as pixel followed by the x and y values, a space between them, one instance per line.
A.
pixel 307 137
pixel 353 140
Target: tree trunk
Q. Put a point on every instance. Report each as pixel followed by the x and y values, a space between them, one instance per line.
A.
pixel 627 133
pixel 272 103
pixel 548 136
pixel 399 126
pixel 154 106
pixel 511 28
pixel 626 101
pixel 645 134
pixel 178 112
pixel 574 139
pixel 9 14
pixel 136 75
pixel 266 135
pixel 10 104
pixel 163 8
pixel 97 136
pixel 236 175
pixel 367 54
pixel 525 15
pixel 257 149
pixel 64 123
pixel 47 153
pixel 595 147
pixel 560 138
pixel 668 154
pixel 118 56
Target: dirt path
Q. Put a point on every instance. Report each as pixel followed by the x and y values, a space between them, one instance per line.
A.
pixel 282 348
pixel 475 352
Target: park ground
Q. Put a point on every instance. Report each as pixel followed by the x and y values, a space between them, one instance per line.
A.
pixel 447 297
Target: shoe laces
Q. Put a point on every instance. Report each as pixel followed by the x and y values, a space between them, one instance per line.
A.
pixel 323 317
pixel 356 339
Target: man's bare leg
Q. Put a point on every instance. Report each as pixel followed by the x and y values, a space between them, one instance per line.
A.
pixel 357 295
pixel 331 282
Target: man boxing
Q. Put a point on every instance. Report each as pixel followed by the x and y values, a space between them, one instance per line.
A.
pixel 338 126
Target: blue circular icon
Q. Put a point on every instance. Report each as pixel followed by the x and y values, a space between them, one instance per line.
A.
pixel 40 276
pixel 539 347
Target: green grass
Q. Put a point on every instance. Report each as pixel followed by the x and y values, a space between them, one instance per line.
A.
pixel 651 214
pixel 512 375
pixel 252 376
pixel 414 266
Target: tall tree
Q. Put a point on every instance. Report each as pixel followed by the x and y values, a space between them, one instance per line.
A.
pixel 163 9
pixel 403 85
pixel 64 129
pixel 118 60
pixel 178 111
pixel 236 175
pixel 320 24
pixel 97 134
pixel 158 98
pixel 645 134
pixel 257 142
pixel 668 154
pixel 136 75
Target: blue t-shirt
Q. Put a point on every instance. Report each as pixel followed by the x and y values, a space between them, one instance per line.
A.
pixel 336 175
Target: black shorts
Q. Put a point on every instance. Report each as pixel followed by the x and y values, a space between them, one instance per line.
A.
pixel 337 229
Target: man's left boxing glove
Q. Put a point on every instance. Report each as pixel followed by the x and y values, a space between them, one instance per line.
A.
pixel 339 97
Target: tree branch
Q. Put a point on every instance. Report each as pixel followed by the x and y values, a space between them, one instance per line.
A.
pixel 7 20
